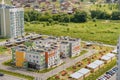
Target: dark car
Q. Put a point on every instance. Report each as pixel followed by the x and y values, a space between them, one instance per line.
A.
pixel 1 74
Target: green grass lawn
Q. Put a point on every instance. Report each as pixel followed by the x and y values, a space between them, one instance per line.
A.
pixel 2 49
pixel 81 53
pixel 26 77
pixel 104 7
pixel 3 39
pixel 106 31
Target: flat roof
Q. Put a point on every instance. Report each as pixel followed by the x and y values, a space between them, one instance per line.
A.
pixel 110 55
pixel 92 65
pixel 83 71
pixel 98 62
pixel 105 57
pixel 76 75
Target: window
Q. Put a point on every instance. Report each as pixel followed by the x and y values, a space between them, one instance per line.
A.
pixel 33 60
pixel 36 56
pixel 37 61
pixel 29 55
pixel 117 47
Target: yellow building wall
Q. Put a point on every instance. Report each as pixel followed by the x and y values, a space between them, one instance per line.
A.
pixel 20 58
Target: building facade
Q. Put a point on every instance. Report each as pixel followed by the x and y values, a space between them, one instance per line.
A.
pixel 45 52
pixel 11 21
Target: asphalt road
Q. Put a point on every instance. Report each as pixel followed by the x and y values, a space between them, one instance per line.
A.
pixel 113 77
pixel 8 77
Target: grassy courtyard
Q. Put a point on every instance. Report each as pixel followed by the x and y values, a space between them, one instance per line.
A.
pixel 105 31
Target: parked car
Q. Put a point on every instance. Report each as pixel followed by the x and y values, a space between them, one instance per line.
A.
pixel 1 74
pixel 108 74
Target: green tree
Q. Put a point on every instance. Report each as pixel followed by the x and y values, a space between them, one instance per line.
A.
pixel 115 15
pixel 80 16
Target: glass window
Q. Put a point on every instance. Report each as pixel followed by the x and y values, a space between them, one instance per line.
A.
pixel 37 61
pixel 36 56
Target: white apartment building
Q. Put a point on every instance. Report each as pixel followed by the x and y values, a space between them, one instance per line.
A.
pixel 11 21
pixel 36 56
pixel 65 49
pixel 74 47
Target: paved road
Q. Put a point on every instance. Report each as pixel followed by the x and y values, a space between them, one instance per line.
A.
pixel 101 44
pixel 113 77
pixel 8 77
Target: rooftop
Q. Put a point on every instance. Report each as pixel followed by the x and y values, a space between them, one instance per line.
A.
pixel 92 65
pixel 105 57
pixel 98 62
pixel 76 75
pixel 84 71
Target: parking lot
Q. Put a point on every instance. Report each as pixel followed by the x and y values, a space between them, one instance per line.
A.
pixel 113 77
pixel 8 77
pixel 109 75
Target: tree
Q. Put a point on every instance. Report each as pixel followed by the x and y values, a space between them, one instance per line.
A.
pixel 93 1
pixel 115 15
pixel 99 14
pixel 80 16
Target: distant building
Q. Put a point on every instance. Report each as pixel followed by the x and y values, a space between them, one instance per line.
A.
pixel 11 21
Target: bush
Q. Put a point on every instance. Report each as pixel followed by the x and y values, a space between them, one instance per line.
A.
pixel 115 15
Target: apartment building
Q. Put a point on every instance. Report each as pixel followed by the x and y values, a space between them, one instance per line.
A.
pixel 74 47
pixel 45 52
pixel 37 56
pixel 118 60
pixel 70 46
pixel 52 56
pixel 19 55
pixel 11 21
pixel 52 51
pixel 65 49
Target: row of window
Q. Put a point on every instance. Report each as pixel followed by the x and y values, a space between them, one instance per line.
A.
pixel 33 61
pixel 33 56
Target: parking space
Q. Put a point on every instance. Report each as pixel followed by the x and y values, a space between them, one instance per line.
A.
pixel 8 77
pixel 113 77
pixel 109 75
